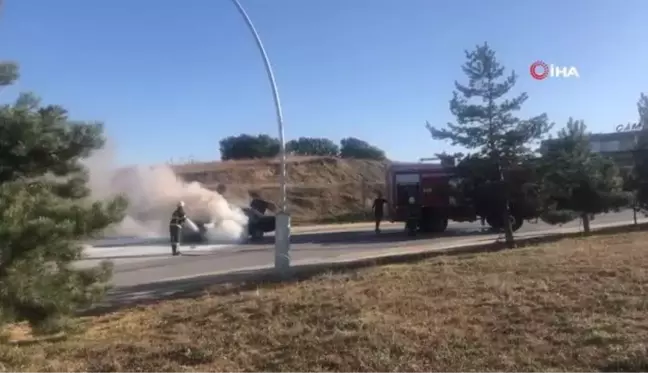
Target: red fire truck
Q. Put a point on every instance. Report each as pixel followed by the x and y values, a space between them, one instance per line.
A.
pixel 422 194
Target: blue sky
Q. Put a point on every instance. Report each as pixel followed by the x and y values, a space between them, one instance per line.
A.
pixel 169 80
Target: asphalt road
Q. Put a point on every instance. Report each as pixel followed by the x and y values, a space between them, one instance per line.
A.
pixel 312 243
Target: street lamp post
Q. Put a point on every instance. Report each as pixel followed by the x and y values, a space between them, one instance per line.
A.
pixel 282 234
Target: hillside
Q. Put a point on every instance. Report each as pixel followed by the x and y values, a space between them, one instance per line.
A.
pixel 320 189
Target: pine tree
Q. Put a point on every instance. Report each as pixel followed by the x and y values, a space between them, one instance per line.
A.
pixel 630 186
pixel 486 122
pixel 578 183
pixel 46 212
pixel 640 170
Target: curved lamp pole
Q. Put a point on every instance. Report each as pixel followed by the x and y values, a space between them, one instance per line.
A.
pixel 282 235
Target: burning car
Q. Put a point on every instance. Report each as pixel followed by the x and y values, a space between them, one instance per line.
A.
pixel 258 225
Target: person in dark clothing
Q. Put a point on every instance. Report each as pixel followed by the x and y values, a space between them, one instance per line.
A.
pixel 413 216
pixel 378 210
pixel 178 217
pixel 259 204
pixel 221 189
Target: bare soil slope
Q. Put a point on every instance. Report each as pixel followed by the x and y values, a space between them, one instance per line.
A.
pixel 320 189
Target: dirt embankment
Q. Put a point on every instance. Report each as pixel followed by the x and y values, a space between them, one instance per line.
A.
pixel 320 189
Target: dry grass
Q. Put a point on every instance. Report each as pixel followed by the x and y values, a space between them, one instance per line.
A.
pixel 576 305
pixel 321 189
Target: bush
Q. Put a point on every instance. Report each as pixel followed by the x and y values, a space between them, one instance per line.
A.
pixel 248 147
pixel 352 147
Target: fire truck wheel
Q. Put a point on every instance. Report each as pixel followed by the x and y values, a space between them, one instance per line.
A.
pixel 432 223
pixel 411 227
pixel 439 225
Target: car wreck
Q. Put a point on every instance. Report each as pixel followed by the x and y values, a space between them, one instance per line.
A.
pixel 258 225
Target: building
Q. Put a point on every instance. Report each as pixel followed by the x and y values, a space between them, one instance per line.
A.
pixel 617 145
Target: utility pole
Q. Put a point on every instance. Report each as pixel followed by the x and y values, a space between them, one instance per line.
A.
pixel 282 232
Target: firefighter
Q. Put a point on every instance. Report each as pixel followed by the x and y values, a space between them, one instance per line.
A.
pixel 412 222
pixel 178 217
pixel 378 209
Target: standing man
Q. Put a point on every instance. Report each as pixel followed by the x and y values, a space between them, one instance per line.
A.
pixel 178 217
pixel 378 209
pixel 258 203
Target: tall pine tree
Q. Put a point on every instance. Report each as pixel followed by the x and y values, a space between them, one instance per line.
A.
pixel 46 212
pixel 486 122
pixel 577 183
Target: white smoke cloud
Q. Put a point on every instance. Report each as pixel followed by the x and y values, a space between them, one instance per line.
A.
pixel 153 193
